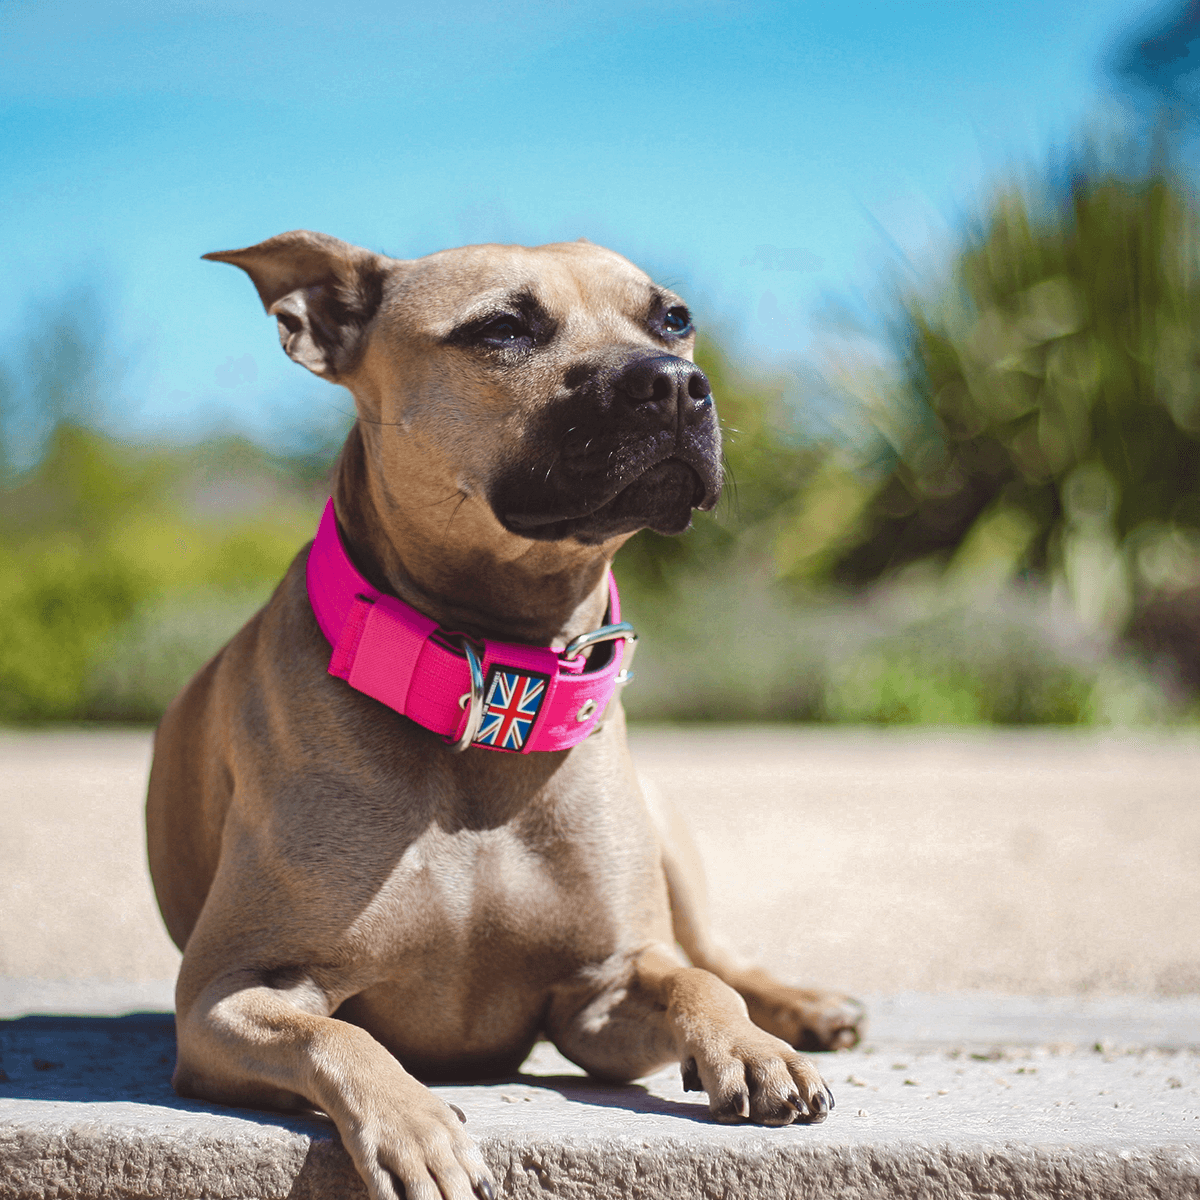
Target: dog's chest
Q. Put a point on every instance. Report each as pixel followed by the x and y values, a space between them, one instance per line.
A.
pixel 464 943
pixel 459 902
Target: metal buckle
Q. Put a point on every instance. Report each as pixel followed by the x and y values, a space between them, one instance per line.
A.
pixel 473 698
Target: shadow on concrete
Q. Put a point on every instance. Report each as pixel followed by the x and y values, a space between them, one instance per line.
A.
pixel 96 1060
pixel 89 1058
pixel 632 1097
pixel 130 1059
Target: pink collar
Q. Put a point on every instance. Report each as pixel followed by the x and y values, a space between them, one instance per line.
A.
pixel 499 695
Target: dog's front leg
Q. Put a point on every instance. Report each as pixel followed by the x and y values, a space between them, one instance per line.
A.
pixel 655 1010
pixel 243 1042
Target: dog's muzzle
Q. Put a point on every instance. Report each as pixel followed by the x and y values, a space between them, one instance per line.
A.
pixel 630 445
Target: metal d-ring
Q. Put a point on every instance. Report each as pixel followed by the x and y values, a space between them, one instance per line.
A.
pixel 606 633
pixel 472 700
pixel 622 631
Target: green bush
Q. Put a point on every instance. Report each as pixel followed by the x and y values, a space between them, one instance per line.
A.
pixel 1051 390
pixel 59 601
pixel 136 669
pixel 912 651
pixel 116 585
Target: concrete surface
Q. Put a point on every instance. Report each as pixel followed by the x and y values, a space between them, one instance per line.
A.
pixel 1020 911
pixel 86 1111
pixel 74 885
pixel 1022 863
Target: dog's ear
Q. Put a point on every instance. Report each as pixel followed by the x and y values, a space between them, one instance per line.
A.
pixel 322 291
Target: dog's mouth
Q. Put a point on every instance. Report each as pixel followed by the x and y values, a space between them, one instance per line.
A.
pixel 661 498
pixel 634 444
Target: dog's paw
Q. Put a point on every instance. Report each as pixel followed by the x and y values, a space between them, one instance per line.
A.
pixel 417 1150
pixel 752 1076
pixel 806 1019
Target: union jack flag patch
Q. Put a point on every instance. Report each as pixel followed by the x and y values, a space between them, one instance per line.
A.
pixel 512 701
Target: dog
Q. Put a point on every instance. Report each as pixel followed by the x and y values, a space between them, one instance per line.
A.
pixel 366 898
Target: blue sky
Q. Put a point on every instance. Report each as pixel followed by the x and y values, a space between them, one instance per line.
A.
pixel 763 158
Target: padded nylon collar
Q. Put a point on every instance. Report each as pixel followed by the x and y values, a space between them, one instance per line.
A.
pixel 534 697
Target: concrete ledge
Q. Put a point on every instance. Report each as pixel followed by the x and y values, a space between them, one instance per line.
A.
pixel 86 1111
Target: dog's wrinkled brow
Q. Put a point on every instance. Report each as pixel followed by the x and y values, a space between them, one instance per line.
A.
pixel 486 308
pixel 661 300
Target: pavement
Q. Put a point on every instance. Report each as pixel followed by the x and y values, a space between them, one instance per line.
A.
pixel 1020 911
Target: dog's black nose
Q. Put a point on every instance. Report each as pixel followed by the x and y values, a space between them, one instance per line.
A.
pixel 671 384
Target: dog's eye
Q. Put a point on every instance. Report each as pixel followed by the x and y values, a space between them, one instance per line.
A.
pixel 519 327
pixel 677 320
pixel 504 329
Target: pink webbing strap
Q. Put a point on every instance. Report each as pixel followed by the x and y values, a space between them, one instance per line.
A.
pixel 383 648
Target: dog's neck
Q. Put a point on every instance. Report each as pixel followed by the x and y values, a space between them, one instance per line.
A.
pixel 544 596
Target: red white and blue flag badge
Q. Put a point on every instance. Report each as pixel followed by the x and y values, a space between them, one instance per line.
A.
pixel 512 701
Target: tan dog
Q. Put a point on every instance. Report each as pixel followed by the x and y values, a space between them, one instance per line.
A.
pixel 357 904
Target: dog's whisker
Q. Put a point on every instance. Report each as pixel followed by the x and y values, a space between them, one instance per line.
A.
pixel 445 499
pixel 382 424
pixel 730 497
pixel 463 498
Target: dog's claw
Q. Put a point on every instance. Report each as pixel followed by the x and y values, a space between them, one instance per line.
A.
pixel 484 1189
pixel 691 1076
pixel 832 1101
pixel 798 1104
pixel 458 1112
pixel 736 1108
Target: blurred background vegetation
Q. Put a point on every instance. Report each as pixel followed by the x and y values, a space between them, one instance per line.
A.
pixel 1007 528
pixel 1000 521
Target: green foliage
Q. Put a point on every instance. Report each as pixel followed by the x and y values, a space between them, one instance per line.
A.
pixel 58 600
pixel 921 677
pixel 880 690
pixel 142 662
pixel 911 652
pixel 1051 395
pixel 115 584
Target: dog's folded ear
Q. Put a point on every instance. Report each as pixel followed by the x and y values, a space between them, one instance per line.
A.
pixel 322 291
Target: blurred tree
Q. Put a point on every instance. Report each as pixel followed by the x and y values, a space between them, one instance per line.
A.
pixel 1047 412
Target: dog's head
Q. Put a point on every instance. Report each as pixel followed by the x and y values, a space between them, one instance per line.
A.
pixel 552 387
